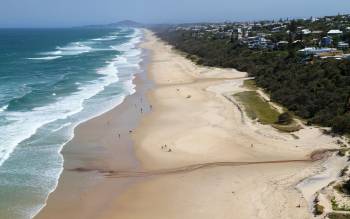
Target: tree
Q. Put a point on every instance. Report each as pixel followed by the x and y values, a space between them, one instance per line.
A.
pixel 285 118
pixel 341 124
pixel 346 186
pixel 292 27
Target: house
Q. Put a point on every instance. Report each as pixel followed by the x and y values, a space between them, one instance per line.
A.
pixel 305 31
pixel 316 51
pixel 335 32
pixel 326 41
pixel 337 57
pixel 282 44
pixel 298 44
pixel 237 33
pixel 317 32
pixel 334 54
pixel 259 42
pixel 276 30
pixel 343 45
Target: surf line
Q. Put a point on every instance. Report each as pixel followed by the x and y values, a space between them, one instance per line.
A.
pixel 314 156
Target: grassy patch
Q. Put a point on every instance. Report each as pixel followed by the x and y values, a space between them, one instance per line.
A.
pixel 338 216
pixel 257 108
pixel 250 84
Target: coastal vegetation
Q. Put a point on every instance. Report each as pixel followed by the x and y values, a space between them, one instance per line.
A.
pixel 342 152
pixel 284 118
pixel 319 209
pixel 317 90
pixel 337 207
pixel 338 216
pixel 257 108
pixel 345 186
pixel 344 171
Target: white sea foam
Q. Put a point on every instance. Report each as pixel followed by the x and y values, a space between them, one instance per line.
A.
pixel 74 48
pixel 62 126
pixel 3 108
pixel 127 46
pixel 121 60
pixel 77 48
pixel 107 38
pixel 134 52
pixel 131 44
pixel 25 124
pixel 55 53
pixel 46 58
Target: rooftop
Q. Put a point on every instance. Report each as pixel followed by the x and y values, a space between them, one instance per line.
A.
pixel 335 32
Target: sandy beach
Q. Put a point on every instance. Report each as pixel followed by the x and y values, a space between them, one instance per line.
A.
pixel 192 153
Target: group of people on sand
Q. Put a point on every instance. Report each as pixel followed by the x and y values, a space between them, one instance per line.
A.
pixel 141 111
pixel 165 147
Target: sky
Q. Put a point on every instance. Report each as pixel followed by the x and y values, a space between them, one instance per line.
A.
pixel 67 13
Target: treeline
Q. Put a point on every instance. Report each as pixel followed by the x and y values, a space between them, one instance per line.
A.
pixel 318 92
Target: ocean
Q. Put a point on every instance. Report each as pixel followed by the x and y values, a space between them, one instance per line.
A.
pixel 51 80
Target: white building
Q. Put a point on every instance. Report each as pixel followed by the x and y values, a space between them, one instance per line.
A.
pixel 343 45
pixel 335 32
pixel 315 51
pixel 305 31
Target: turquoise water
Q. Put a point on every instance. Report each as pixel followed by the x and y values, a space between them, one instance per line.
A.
pixel 50 81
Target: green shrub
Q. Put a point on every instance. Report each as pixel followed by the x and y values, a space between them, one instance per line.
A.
pixel 285 119
pixel 319 209
pixel 346 187
pixel 257 108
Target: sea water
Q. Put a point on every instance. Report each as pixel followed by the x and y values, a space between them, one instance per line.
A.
pixel 50 81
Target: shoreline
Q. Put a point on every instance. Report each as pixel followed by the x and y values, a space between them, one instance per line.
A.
pixel 69 176
pixel 191 123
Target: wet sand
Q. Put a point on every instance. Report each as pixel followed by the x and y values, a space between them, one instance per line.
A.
pixel 82 191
